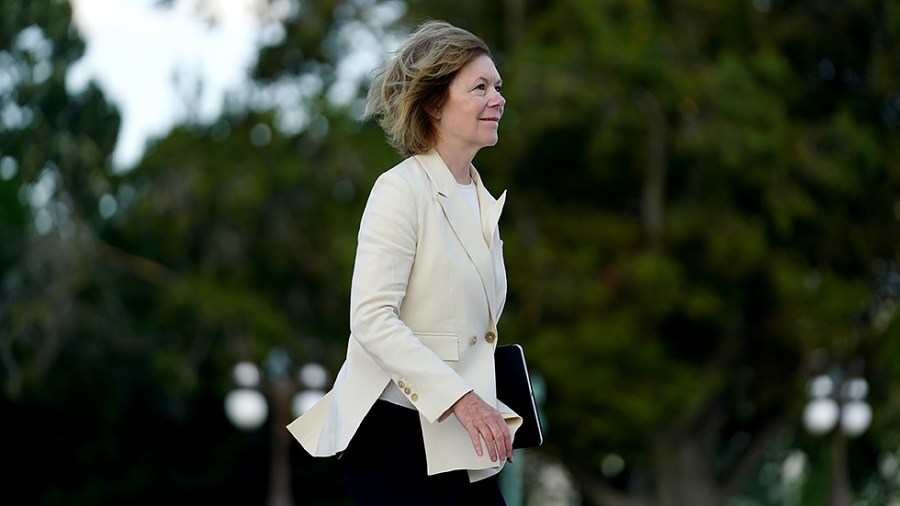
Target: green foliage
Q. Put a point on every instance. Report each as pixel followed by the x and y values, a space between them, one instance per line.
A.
pixel 775 206
pixel 256 242
pixel 700 193
pixel 53 148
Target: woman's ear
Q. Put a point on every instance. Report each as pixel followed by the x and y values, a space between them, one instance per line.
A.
pixel 434 109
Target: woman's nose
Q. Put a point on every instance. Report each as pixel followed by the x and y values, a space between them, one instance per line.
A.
pixel 499 101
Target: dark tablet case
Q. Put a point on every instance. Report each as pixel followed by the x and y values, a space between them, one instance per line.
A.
pixel 514 390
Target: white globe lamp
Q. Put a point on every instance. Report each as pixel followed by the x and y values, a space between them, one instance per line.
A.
pixel 856 416
pixel 821 415
pixel 246 408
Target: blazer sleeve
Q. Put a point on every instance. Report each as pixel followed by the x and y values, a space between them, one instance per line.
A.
pixel 384 258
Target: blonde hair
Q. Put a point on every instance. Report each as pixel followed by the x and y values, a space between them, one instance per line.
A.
pixel 412 85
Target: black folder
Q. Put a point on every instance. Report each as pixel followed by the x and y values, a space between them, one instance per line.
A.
pixel 514 389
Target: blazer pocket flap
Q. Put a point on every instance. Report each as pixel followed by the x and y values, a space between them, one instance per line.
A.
pixel 444 344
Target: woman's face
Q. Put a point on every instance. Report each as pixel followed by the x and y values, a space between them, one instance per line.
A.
pixel 471 114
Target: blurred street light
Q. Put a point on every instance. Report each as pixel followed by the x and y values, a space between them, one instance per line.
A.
pixel 246 406
pixel 837 401
pixel 838 407
pixel 247 409
pixel 313 377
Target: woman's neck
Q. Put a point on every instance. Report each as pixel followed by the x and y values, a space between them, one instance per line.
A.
pixel 458 163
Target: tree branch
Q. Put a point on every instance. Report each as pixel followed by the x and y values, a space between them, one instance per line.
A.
pixel 139 267
pixel 748 460
pixel 653 197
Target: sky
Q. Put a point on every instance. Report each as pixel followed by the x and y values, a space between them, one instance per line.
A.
pixel 134 51
pixel 161 66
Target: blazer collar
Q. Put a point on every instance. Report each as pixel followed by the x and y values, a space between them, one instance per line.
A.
pixel 476 240
pixel 444 184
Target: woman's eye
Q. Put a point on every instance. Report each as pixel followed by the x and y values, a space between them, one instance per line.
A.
pixel 498 88
pixel 481 87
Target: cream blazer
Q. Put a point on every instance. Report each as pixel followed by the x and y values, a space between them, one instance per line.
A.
pixel 428 287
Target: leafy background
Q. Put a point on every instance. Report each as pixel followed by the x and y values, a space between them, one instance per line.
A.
pixel 703 214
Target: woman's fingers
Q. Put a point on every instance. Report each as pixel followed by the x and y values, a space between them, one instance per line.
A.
pixel 504 441
pixel 474 435
pixel 482 421
pixel 501 438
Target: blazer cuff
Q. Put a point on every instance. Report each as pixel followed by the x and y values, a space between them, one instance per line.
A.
pixel 449 411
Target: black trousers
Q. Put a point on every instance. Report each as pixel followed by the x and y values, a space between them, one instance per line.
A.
pixel 385 465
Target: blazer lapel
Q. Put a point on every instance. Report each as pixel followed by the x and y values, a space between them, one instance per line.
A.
pixel 475 240
pixel 490 217
pixel 490 211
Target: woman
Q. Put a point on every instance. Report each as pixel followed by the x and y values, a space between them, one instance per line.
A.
pixel 413 414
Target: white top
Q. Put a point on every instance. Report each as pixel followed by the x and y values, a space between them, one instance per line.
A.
pixel 470 194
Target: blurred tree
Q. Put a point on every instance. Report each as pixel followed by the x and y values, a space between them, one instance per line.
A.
pixel 232 238
pixel 53 150
pixel 241 233
pixel 54 323
pixel 121 291
pixel 699 195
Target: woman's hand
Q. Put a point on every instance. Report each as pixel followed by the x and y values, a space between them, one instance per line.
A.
pixel 481 419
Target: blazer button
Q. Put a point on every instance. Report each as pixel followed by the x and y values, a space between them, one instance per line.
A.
pixel 490 337
pixel 407 390
pixel 414 397
pixel 474 340
pixel 401 384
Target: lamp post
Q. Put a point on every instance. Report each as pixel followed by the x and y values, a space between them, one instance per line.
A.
pixel 838 407
pixel 247 408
